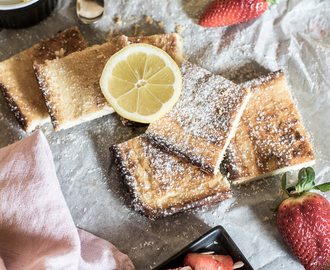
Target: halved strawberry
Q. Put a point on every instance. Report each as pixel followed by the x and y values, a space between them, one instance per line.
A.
pixel 208 263
pixel 191 260
pixel 226 260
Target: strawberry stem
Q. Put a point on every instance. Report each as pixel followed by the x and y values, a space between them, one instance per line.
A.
pixel 272 2
pixel 305 183
pixel 290 189
pixel 306 178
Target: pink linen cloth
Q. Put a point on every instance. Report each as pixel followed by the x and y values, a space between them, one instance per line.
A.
pixel 36 228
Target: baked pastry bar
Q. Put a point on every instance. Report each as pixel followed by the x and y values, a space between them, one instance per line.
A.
pixel 18 82
pixel 171 43
pixel 71 84
pixel 199 127
pixel 162 185
pixel 270 138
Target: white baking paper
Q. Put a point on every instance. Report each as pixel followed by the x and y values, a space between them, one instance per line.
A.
pixel 292 35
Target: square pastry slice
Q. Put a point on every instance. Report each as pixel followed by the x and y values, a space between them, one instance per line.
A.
pixel 160 184
pixel 18 82
pixel 71 84
pixel 270 138
pixel 200 125
pixel 170 43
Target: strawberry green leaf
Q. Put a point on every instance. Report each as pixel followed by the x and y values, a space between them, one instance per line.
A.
pixel 310 174
pixel 272 2
pixel 302 176
pixel 306 178
pixel 299 188
pixel 309 181
pixel 323 187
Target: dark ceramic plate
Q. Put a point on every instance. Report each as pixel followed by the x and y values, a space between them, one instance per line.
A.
pixel 216 240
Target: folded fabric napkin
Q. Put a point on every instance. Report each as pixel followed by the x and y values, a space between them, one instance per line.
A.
pixel 36 228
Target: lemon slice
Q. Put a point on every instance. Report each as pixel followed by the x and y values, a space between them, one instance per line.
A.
pixel 141 82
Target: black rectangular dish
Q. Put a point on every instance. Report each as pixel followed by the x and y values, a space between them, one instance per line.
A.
pixel 217 240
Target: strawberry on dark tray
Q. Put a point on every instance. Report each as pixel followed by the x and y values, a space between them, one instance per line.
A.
pixel 191 260
pixel 208 263
pixel 196 261
pixel 209 246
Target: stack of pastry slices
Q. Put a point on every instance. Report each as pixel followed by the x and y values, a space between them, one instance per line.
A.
pixel 254 128
pixel 57 79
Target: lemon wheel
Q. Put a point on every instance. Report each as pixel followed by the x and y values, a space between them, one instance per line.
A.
pixel 141 82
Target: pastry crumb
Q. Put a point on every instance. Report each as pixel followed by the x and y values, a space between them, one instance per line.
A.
pixel 136 26
pixel 142 33
pixel 148 20
pixel 161 24
pixel 179 28
pixel 112 34
pixel 109 36
pixel 118 20
pixel 266 218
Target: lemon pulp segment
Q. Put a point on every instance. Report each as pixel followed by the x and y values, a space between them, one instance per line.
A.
pixel 141 82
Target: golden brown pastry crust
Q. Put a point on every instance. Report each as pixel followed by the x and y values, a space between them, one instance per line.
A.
pixel 162 185
pixel 270 138
pixel 17 79
pixel 170 43
pixel 71 84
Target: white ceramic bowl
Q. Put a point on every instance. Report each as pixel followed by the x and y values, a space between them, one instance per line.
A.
pixel 19 14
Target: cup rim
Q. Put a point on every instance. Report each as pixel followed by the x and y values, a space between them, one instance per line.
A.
pixel 18 5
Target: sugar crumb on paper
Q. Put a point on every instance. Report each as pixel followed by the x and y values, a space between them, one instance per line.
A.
pixel 179 28
pixel 149 20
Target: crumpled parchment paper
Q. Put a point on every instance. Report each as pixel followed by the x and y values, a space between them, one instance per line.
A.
pixel 292 35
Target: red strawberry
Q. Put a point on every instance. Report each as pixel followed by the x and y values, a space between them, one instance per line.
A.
pixel 304 221
pixel 208 263
pixel 228 12
pixel 191 260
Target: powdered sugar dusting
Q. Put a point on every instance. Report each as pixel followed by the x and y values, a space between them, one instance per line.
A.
pixel 71 85
pixel 161 184
pixel 277 39
pixel 270 135
pixel 17 78
pixel 198 127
